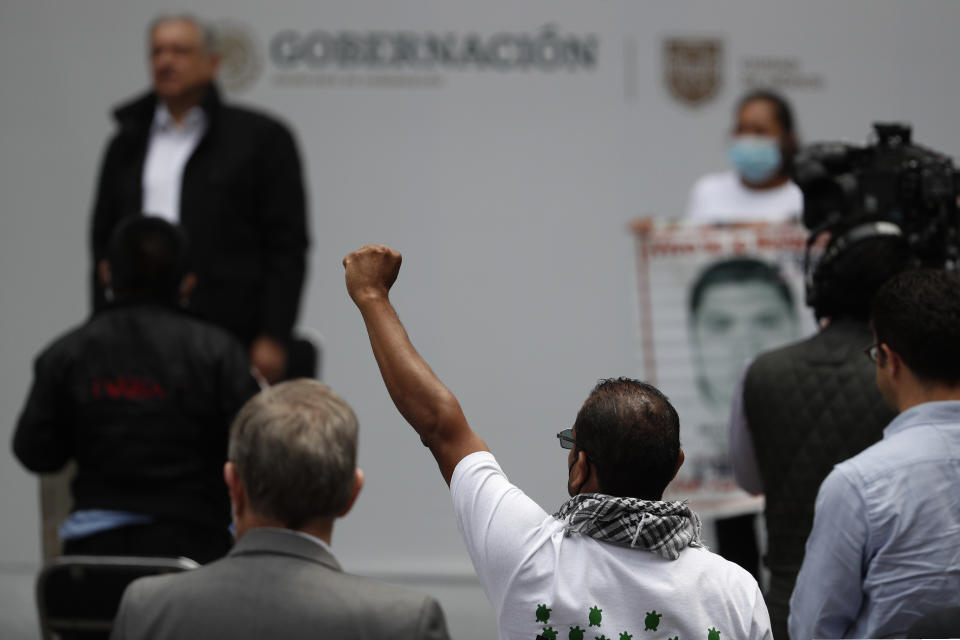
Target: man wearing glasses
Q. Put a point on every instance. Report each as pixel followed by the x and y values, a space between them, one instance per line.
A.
pixel 614 562
pixel 885 545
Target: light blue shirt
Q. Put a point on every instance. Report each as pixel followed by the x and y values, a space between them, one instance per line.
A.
pixel 885 544
pixel 87 522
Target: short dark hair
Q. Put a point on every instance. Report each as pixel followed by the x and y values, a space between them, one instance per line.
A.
pixel 148 257
pixel 845 283
pixel 738 271
pixel 783 113
pixel 295 448
pixel 917 314
pixel 631 434
pixel 783 110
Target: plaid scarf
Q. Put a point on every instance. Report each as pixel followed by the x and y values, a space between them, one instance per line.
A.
pixel 661 527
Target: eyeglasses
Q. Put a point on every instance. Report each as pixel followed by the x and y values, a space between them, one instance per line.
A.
pixel 873 352
pixel 566 439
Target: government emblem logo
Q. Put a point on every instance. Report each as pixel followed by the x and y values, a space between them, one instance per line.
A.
pixel 240 58
pixel 693 69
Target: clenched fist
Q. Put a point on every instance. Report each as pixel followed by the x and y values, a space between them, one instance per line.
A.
pixel 371 271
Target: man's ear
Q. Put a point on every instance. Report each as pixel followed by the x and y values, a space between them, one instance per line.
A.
pixel 680 459
pixel 357 486
pixel 236 489
pixel 187 285
pixel 890 358
pixel 103 272
pixel 579 473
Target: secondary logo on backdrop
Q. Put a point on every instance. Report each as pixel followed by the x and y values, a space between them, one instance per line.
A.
pixel 693 69
pixel 783 73
pixel 241 60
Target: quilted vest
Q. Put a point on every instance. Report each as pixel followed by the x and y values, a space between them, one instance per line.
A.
pixel 808 406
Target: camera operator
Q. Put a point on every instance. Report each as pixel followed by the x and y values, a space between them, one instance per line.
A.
pixel 808 406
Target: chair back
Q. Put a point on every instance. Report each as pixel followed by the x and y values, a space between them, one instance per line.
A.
pixel 78 596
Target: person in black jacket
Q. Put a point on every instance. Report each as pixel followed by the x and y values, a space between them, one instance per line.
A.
pixel 229 175
pixel 809 405
pixel 141 396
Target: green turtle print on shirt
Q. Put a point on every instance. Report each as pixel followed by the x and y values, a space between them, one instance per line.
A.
pixel 543 613
pixel 594 615
pixel 652 621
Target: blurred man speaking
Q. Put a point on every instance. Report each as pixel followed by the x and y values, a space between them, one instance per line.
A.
pixel 230 176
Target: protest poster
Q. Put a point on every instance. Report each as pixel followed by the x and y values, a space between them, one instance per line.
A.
pixel 710 300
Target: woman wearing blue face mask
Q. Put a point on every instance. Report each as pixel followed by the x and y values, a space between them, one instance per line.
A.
pixel 758 189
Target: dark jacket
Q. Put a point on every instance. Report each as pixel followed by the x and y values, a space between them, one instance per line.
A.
pixel 242 205
pixel 142 397
pixel 808 406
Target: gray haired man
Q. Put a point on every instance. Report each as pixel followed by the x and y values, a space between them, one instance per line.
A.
pixel 291 472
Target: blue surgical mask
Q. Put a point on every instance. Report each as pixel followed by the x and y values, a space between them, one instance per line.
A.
pixel 755 158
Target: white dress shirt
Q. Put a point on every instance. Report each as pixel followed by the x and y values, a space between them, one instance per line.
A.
pixel 168 150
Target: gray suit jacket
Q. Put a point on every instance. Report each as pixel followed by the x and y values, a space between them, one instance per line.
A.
pixel 275 584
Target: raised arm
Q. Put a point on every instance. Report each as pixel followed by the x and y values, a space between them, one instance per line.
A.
pixel 430 408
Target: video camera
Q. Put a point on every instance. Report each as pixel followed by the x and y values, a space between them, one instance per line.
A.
pixel 889 187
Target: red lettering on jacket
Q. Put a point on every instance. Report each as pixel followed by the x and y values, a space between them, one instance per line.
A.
pixel 128 387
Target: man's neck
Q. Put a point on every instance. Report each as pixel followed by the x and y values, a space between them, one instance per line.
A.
pixel 318 528
pixel 128 298
pixel 927 393
pixel 181 106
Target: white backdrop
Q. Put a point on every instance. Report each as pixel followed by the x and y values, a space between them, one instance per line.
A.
pixel 508 191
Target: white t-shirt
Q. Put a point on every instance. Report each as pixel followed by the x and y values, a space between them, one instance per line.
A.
pixel 542 583
pixel 722 198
